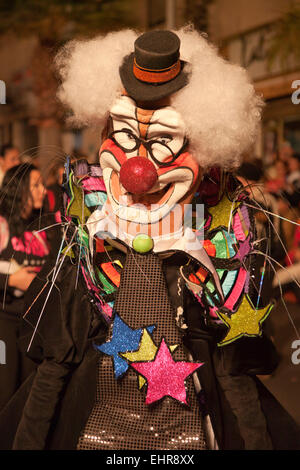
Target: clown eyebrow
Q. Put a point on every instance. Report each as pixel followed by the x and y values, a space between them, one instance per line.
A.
pixel 128 130
pixel 159 136
pixel 142 122
pixel 162 136
pixel 125 120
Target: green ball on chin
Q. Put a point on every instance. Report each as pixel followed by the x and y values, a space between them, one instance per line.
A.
pixel 142 243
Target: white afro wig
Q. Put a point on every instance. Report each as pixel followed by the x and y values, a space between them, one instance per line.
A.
pixel 90 75
pixel 219 105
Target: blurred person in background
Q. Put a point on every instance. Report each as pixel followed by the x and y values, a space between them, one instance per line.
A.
pixel 278 182
pixel 250 174
pixel 292 192
pixel 55 175
pixel 9 157
pixel 53 183
pixel 284 187
pixel 286 151
pixel 287 279
pixel 23 249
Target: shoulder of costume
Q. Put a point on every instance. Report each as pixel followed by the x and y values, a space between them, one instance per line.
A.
pixel 228 235
pixel 85 193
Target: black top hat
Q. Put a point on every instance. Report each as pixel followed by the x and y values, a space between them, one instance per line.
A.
pixel 154 70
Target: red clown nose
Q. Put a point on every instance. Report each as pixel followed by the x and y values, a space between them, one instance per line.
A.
pixel 138 175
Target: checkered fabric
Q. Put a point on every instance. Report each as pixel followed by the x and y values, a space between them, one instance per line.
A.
pixel 120 418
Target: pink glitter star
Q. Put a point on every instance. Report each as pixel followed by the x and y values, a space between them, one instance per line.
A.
pixel 165 377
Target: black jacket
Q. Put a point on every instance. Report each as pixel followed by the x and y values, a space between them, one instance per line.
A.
pixel 60 395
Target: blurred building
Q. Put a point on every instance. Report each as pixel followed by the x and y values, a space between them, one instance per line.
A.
pixel 30 118
pixel 243 30
pixel 258 35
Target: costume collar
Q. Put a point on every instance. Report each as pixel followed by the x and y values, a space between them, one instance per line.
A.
pixel 101 225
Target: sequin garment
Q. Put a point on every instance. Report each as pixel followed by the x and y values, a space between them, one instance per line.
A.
pixel 120 418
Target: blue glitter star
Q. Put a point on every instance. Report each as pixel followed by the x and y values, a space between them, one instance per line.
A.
pixel 124 339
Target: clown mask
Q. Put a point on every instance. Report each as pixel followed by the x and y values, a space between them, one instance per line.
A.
pixel 147 168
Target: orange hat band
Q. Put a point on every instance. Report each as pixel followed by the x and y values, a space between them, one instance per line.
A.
pixel 156 76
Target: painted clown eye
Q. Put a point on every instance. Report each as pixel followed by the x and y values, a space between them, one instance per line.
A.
pixel 126 139
pixel 165 139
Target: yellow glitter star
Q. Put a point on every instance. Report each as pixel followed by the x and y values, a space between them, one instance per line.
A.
pixel 146 352
pixel 68 252
pixel 77 207
pixel 221 212
pixel 245 322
